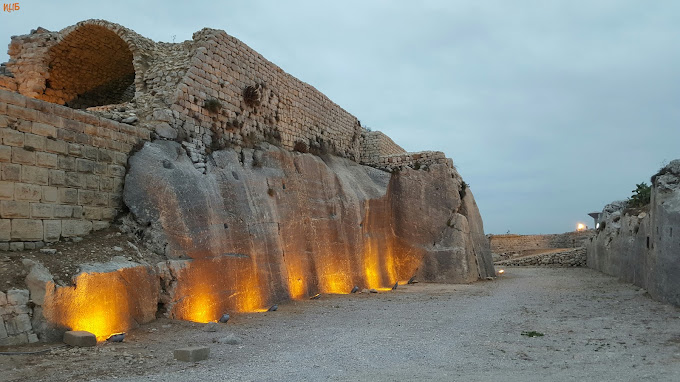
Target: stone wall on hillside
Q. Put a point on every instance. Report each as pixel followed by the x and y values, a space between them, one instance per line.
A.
pixel 61 171
pixel 641 245
pixel 516 243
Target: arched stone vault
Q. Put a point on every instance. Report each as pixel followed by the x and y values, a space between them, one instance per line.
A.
pixel 92 63
pixel 91 66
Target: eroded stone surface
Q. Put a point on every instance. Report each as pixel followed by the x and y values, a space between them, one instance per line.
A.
pixel 292 225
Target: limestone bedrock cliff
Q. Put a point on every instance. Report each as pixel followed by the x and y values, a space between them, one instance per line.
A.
pixel 267 224
pixel 641 245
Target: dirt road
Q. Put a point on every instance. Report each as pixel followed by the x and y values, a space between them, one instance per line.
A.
pixel 594 329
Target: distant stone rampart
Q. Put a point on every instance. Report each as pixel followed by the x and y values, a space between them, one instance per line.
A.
pixel 517 243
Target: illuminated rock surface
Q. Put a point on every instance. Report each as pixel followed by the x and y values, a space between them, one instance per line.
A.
pixel 264 225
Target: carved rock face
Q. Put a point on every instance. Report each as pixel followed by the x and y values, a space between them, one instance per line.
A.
pixel 263 225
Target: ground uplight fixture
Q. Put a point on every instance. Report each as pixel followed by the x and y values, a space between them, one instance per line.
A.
pixel 501 271
pixel 224 318
pixel 116 337
pixel 580 227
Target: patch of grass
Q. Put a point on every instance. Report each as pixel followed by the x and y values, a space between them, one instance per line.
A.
pixel 532 333
pixel 212 105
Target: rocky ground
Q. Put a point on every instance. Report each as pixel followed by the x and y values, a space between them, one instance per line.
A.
pixel 64 259
pixel 594 328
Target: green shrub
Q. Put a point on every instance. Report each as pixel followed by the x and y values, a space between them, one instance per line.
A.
pixel 642 195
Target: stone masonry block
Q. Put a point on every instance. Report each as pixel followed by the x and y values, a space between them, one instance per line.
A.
pixel 80 339
pixel 35 175
pixel 86 197
pixel 22 113
pixel 109 213
pixel 5 153
pixel 46 160
pixel 14 209
pixel 92 213
pixel 77 212
pixel 12 137
pixel 6 190
pixel 12 98
pixel 70 228
pixel 115 170
pixel 42 211
pixel 100 225
pixel 11 171
pixel 57 177
pixel 84 165
pixel 66 135
pixel 49 194
pixel 56 146
pixel 5 229
pixel 74 179
pixel 44 130
pixel 67 163
pixel 35 141
pixel 192 354
pixel 25 191
pixel 91 153
pixel 52 230
pixel 27 229
pixel 22 156
pixel 18 324
pixel 68 195
pixel 63 211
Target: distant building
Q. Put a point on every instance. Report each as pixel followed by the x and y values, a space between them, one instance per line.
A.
pixel 596 217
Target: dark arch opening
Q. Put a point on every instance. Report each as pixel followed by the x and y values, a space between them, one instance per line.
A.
pixel 91 66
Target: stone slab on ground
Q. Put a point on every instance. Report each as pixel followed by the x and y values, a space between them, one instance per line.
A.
pixel 192 354
pixel 80 338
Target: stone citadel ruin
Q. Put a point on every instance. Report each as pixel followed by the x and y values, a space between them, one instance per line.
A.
pixel 253 185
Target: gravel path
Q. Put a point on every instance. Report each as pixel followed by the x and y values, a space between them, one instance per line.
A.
pixel 595 329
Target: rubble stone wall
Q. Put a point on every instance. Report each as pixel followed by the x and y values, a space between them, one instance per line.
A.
pixel 15 318
pixel 62 170
pixel 570 258
pixel 517 243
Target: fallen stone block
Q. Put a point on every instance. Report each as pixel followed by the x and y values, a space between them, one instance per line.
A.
pixel 192 354
pixel 80 338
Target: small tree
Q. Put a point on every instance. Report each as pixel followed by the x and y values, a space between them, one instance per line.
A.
pixel 642 195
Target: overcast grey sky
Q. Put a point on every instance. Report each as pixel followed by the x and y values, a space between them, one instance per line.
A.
pixel 550 109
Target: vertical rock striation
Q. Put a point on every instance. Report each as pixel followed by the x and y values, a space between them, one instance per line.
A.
pixel 266 224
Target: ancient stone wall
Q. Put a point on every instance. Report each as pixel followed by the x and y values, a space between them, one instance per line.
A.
pixel 570 258
pixel 517 243
pixel 231 94
pixel 375 144
pixel 640 246
pixel 62 170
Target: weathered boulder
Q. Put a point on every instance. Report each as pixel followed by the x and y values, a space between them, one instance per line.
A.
pixel 266 224
pixel 104 299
